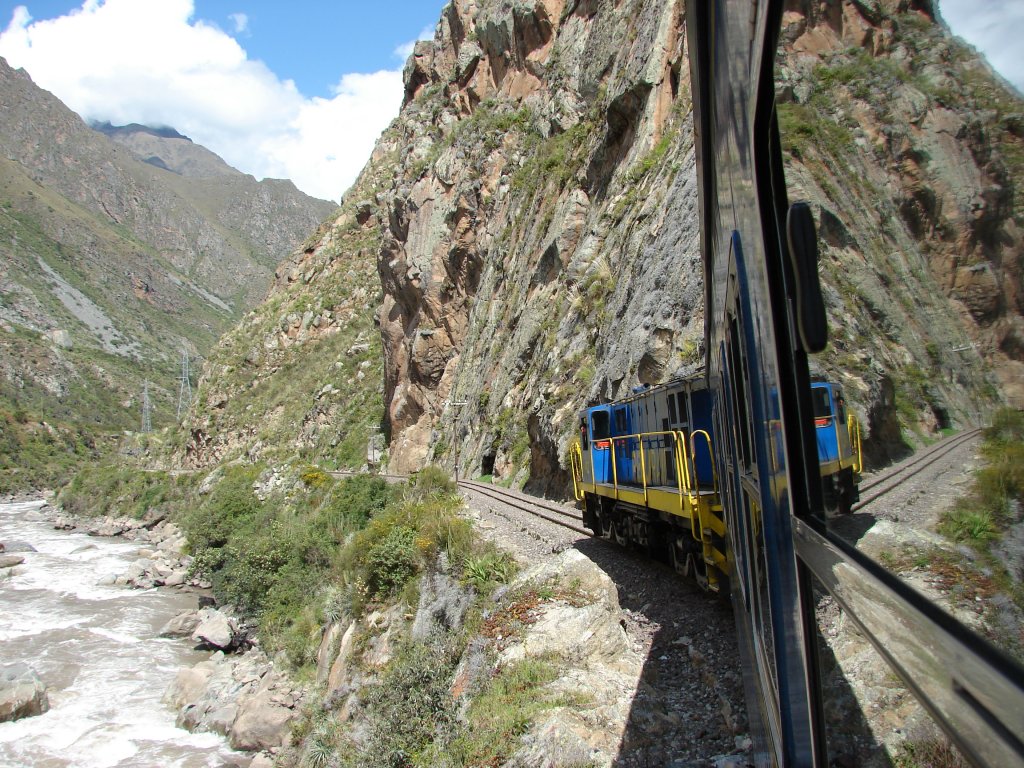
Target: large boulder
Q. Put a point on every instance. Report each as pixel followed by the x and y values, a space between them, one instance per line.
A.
pixel 264 721
pixel 215 629
pixel 182 625
pixel 241 697
pixel 16 545
pixel 22 693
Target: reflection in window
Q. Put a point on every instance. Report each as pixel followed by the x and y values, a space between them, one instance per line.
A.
pixel 910 150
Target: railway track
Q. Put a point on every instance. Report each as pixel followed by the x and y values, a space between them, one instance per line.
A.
pixel 553 513
pixel 878 487
pixel 560 515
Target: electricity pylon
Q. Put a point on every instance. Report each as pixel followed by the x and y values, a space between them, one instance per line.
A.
pixel 184 386
pixel 147 421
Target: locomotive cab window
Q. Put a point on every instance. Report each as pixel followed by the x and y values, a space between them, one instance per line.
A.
pixel 600 423
pixel 822 402
pixel 621 423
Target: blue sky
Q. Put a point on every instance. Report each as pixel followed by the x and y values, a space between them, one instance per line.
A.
pixel 295 90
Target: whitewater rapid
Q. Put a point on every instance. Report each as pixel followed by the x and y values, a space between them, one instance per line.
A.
pixel 96 648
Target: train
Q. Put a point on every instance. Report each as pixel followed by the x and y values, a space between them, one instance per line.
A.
pixel 764 534
pixel 643 471
pixel 730 474
pixel 840 454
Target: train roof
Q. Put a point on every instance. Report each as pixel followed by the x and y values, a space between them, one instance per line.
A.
pixel 698 376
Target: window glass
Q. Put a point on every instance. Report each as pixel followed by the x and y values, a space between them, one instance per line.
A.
pixel 822 402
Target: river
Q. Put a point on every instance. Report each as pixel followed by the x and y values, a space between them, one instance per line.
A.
pixel 96 648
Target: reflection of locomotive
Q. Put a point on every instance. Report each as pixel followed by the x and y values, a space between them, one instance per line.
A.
pixel 764 314
pixel 644 469
pixel 839 452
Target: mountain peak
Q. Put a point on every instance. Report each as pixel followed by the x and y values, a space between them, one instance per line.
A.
pixel 162 132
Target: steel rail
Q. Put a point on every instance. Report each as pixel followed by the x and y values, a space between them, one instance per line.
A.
pixel 912 466
pixel 532 507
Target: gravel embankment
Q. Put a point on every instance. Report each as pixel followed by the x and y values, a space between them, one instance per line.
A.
pixel 689 704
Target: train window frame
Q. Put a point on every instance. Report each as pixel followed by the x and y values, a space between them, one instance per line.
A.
pixel 600 419
pixel 839 405
pixel 741 376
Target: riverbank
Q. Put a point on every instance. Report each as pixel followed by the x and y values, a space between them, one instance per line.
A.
pixel 97 647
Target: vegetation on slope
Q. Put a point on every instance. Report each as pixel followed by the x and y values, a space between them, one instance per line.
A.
pixel 317 551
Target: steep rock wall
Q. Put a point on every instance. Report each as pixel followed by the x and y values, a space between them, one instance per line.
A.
pixel 526 264
pixel 533 218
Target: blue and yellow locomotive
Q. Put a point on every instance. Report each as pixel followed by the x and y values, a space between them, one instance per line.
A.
pixel 643 468
pixel 839 451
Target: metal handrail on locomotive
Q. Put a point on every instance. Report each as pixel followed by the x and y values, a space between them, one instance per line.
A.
pixel 644 469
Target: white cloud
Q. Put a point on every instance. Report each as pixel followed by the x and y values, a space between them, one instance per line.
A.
pixel 241 22
pixel 994 27
pixel 149 61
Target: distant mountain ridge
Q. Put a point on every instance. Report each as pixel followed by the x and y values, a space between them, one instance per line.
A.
pixel 120 247
pixel 109 129
pixel 165 148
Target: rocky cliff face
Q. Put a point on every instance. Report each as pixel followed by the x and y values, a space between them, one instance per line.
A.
pixel 541 249
pixel 533 213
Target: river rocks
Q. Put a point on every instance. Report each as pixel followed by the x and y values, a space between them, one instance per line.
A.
pixel 16 546
pixel 9 561
pixel 215 629
pixel 22 693
pixel 241 697
pixel 161 563
pixel 182 625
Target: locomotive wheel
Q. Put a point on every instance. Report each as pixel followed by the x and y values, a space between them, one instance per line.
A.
pixel 620 530
pixel 846 493
pixel 682 561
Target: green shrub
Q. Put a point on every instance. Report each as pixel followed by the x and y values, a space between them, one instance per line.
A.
pixel 412 710
pixel 974 527
pixel 232 501
pixel 252 561
pixel 431 482
pixel 110 489
pixel 488 569
pixel 351 503
pixel 391 562
pixel 314 477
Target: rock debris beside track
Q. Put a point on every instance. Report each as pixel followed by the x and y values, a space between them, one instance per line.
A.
pixel 687 704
